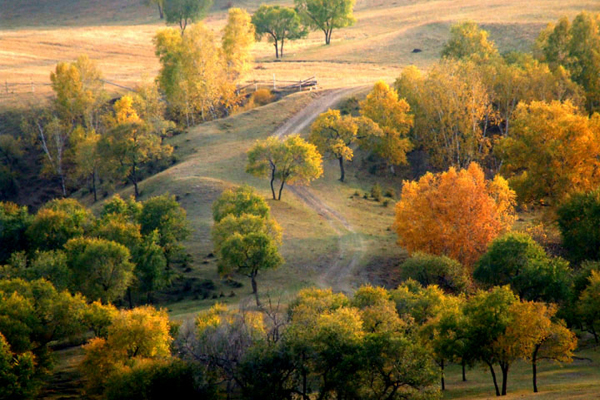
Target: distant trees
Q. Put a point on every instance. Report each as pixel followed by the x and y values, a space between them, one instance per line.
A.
pixel 245 237
pixel 326 15
pixel 291 160
pixel 278 23
pixel 185 12
pixel 579 223
pixel 454 213
pixel 552 151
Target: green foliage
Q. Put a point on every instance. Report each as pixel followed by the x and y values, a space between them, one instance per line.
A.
pixel 128 210
pixel 17 374
pixel 588 305
pixel 515 259
pixel 57 222
pixel 242 200
pixel 376 192
pixel 101 269
pixel 50 265
pixel 326 15
pixel 151 268
pixel 238 39
pixel 467 40
pixel 14 222
pixel 278 23
pixel 579 224
pixel 442 271
pixel 185 12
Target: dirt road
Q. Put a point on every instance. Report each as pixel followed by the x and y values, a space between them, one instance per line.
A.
pixel 340 275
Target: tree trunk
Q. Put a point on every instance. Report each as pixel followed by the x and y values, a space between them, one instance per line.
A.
pixel 464 374
pixel 328 36
pixel 494 378
pixel 129 298
pixel 160 11
pixel 342 171
pixel 94 186
pixel 276 49
pixel 281 48
pixel 504 369
pixel 62 185
pixel 443 381
pixel 281 188
pixel 273 180
pixel 255 287
pixel 135 180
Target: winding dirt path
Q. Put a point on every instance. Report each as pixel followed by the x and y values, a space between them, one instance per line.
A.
pixel 340 274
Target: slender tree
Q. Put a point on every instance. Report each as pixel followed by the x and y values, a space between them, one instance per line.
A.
pixel 278 23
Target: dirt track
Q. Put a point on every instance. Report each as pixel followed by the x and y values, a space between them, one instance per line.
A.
pixel 340 274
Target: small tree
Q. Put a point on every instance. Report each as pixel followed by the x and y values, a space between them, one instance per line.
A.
pixel 326 15
pixel 442 271
pixel 589 305
pixel 185 12
pixel 579 224
pixel 291 160
pixel 467 40
pixel 454 213
pixel 240 201
pixel 14 221
pixel 278 23
pixel 247 244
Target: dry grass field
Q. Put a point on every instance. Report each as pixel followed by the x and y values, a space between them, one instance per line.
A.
pixel 36 34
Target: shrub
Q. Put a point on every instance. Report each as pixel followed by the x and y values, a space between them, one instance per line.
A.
pixel 262 97
pixel 376 192
pixel 443 271
pixel 390 193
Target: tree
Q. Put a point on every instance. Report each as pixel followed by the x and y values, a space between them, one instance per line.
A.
pixel 515 259
pixel 333 134
pixel 57 222
pixel 14 221
pixel 247 244
pixel 454 213
pixel 237 41
pixel 193 75
pixel 185 12
pixel 101 269
pixel 589 304
pixel 130 142
pixel 326 15
pixel 467 40
pixel 552 151
pixel 165 215
pixel 137 335
pixel 240 201
pixel 49 265
pixel 278 23
pixel 291 160
pixel 16 373
pixel 452 112
pixel 579 221
pixel 151 267
pixel 574 47
pixel 160 4
pixel 88 159
pixel 442 271
pixel 11 156
pixel 383 107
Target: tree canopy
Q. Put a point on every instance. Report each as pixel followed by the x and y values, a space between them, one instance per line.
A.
pixel 278 23
pixel 326 15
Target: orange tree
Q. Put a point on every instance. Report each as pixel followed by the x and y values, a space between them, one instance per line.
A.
pixel 455 213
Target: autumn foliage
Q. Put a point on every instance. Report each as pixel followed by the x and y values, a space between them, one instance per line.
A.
pixel 454 213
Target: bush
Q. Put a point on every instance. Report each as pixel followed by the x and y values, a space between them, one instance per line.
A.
pixel 443 271
pixel 262 97
pixel 350 107
pixel 376 192
pixel 579 224
pixel 390 193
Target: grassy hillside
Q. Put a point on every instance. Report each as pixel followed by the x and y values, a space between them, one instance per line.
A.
pixel 118 33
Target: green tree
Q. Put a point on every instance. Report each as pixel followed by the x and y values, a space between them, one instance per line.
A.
pixel 50 265
pixel 17 373
pixel 238 39
pixel 248 245
pixel 467 40
pixel 14 222
pixel 326 15
pixel 165 215
pixel 240 201
pixel 589 305
pixel 579 224
pixel 160 5
pixel 185 12
pixel 291 160
pixel 101 269
pixel 151 268
pixel 515 259
pixel 57 222
pixel 442 271
pixel 11 157
pixel 278 23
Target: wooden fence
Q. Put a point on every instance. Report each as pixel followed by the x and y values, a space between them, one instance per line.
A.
pixel 279 86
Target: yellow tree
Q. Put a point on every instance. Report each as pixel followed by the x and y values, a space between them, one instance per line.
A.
pixel 334 135
pixel 292 160
pixel 467 40
pixel 552 151
pixel 391 114
pixel 454 213
pixel 237 41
